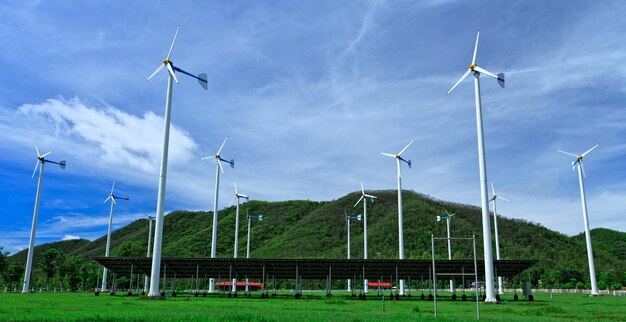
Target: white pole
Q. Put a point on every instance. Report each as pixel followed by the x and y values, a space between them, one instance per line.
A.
pixel 348 221
pixel 158 234
pixel 449 251
pixel 33 229
pixel 484 200
pixel 495 227
pixel 236 240
pixel 592 269
pixel 108 246
pixel 248 250
pixel 214 233
pixel 400 228
pixel 147 280
pixel 366 286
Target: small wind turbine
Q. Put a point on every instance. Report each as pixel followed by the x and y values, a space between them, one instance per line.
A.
pixel 493 199
pixel 218 159
pixel 398 157
pixel 581 178
pixel 41 160
pixel 348 219
pixel 238 196
pixel 147 280
pixel 364 197
pixel 447 218
pixel 111 197
pixel 488 253
pixel 259 218
pixel 158 236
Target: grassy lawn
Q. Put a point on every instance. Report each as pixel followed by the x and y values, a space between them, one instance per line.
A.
pixel 312 307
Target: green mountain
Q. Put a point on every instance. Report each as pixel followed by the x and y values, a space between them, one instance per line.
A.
pixel 310 229
pixel 66 246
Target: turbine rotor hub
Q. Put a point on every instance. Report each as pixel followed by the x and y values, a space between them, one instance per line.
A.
pixel 472 66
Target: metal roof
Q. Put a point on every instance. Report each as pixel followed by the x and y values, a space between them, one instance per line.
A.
pixel 308 268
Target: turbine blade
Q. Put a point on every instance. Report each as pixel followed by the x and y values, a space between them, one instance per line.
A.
pixel 113 199
pixel 222 146
pixel 156 71
pixel 459 81
pixel 504 199
pixel 236 193
pixel 107 199
pixel 35 171
pixel 476 47
pixel 388 154
pixel 219 164
pixel 172 46
pixel 583 169
pixel 493 189
pixel 45 154
pixel 208 157
pixel 406 147
pixel 595 146
pixel 362 190
pixel 169 69
pixel 572 154
pixel 232 201
pixel 357 203
pixel 36 149
pixel 485 72
pixel 112 187
pixel 574 163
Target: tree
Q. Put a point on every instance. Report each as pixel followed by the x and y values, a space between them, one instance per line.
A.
pixel 3 261
pixel 50 262
pixel 12 275
pixel 69 271
pixel 129 249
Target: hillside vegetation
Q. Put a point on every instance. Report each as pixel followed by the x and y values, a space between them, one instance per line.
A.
pixel 310 229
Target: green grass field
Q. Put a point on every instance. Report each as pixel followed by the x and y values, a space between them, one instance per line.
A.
pixel 312 307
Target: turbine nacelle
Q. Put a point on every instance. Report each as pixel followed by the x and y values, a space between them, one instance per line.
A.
pixel 171 69
pixel 579 159
pixel 359 217
pixel 477 70
pixel 41 160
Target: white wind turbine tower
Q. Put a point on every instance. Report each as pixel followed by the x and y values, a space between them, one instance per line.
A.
pixel 111 197
pixel 399 158
pixel 581 178
pixel 348 219
pixel 364 197
pixel 238 196
pixel 146 282
pixel 448 217
pixel 218 159
pixel 158 236
pixel 493 199
pixel 31 244
pixel 259 218
pixel 477 71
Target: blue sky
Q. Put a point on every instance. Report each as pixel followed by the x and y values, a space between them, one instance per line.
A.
pixel 309 93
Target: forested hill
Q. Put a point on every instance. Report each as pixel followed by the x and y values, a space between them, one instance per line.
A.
pixel 309 229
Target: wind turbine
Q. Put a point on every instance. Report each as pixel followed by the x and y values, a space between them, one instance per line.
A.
pixel 348 219
pixel 41 160
pixel 158 237
pixel 398 157
pixel 364 198
pixel 146 282
pixel 111 197
pixel 581 178
pixel 218 159
pixel 477 71
pixel 447 218
pixel 493 199
pixel 239 196
pixel 259 218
